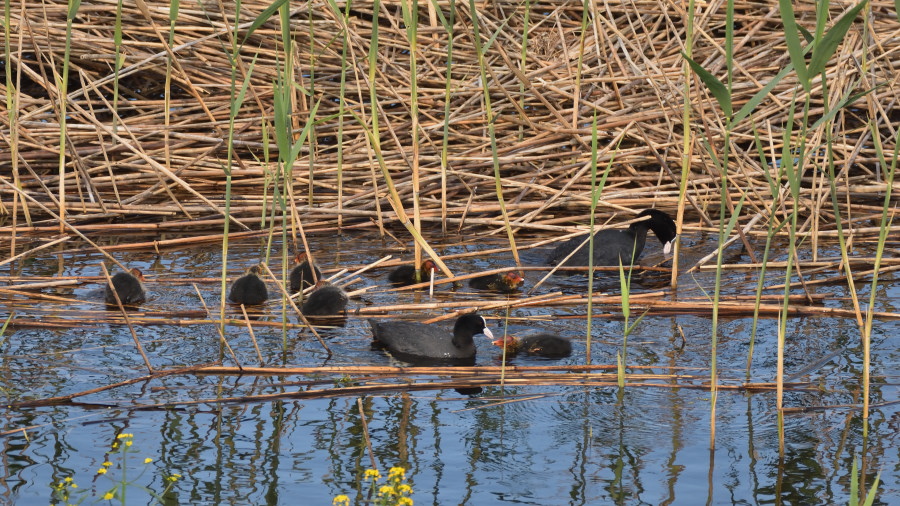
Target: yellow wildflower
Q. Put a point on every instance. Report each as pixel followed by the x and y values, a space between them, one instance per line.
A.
pixel 107 464
pixel 102 470
pixel 386 490
pixel 397 472
pixel 372 473
pixel 148 460
pixel 69 479
pixel 108 496
pixel 341 500
pixel 404 501
pixel 403 488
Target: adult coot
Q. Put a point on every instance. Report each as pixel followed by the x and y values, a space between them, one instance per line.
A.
pixel 506 282
pixel 413 341
pixel 611 245
pixel 129 287
pixel 249 288
pixel 406 274
pixel 304 274
pixel 326 299
pixel 545 345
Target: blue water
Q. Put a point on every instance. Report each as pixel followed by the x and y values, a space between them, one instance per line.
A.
pixel 581 443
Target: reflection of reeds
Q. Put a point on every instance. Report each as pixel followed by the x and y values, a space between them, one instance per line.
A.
pixel 372 380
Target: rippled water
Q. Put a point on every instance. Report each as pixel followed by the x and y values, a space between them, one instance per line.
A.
pixel 523 444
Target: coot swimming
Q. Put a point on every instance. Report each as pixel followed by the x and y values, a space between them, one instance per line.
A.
pixel 611 245
pixel 302 275
pixel 129 287
pixel 249 288
pixel 413 341
pixel 326 299
pixel 406 274
pixel 545 345
pixel 506 282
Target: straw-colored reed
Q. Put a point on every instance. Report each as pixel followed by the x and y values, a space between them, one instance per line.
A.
pixel 126 165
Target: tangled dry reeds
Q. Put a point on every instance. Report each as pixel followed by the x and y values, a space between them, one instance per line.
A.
pixel 128 161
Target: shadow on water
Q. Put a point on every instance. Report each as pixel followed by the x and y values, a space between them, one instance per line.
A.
pixel 525 442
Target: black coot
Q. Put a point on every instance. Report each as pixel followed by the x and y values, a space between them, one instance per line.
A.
pixel 326 299
pixel 249 288
pixel 611 245
pixel 413 341
pixel 129 287
pixel 545 345
pixel 406 274
pixel 302 275
pixel 506 282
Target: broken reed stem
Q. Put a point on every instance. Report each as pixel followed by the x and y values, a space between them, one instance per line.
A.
pixel 219 328
pixel 365 427
pixel 287 297
pixel 252 334
pixel 137 342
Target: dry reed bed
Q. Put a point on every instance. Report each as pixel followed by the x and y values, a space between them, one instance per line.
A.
pixel 631 75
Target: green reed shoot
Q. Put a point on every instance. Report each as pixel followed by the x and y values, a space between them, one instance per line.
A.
pixel 117 67
pixel 854 481
pixel 523 58
pixel 12 109
pixel 311 93
pixel 236 102
pixel 886 219
pixel 585 19
pixel 410 12
pixel 686 135
pixel 722 93
pixel 372 135
pixel 167 89
pixel 489 113
pixel 342 103
pixel 823 45
pixel 6 324
pixel 596 190
pixel 447 22
pixel 62 84
pixel 625 287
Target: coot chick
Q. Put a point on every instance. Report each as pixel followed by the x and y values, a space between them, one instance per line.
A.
pixel 302 275
pixel 406 274
pixel 544 345
pixel 326 299
pixel 249 288
pixel 611 245
pixel 506 282
pixel 129 287
pixel 413 341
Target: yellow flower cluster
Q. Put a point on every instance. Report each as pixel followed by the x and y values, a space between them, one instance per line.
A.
pixel 396 492
pixel 61 489
pixel 104 467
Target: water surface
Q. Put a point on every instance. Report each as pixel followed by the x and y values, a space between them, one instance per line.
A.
pixel 522 444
